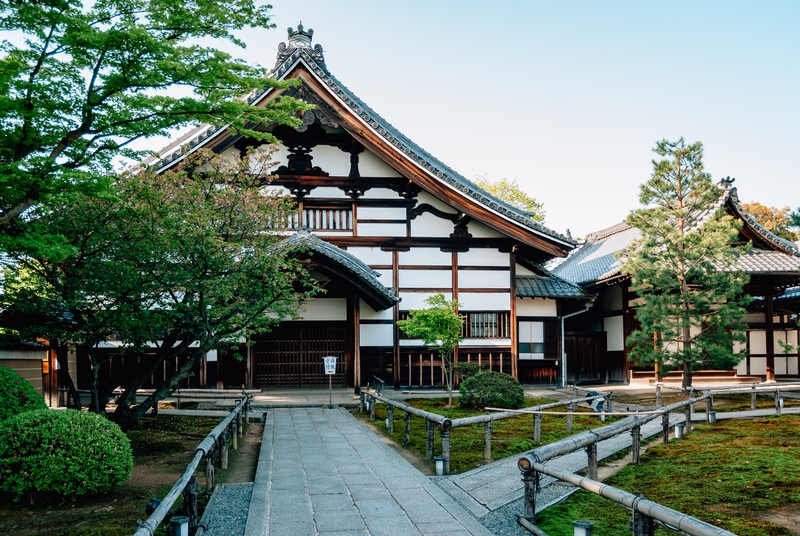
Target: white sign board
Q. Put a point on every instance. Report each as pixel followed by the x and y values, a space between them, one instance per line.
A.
pixel 330 364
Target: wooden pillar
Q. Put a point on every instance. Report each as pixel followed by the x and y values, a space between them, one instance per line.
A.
pixel 454 280
pixel 512 270
pixel 396 312
pixel 591 454
pixel 352 367
pixel 768 313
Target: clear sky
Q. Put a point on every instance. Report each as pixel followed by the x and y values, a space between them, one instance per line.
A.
pixel 569 97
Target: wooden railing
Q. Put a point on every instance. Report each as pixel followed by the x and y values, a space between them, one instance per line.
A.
pixel 323 219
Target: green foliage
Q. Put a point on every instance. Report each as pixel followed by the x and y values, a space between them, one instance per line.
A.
pixel 17 395
pixel 88 80
pixel 795 218
pixel 691 301
pixel 720 473
pixel 439 325
pixel 491 389
pixel 775 220
pixel 510 192
pixel 64 452
pixel 467 369
pixel 189 254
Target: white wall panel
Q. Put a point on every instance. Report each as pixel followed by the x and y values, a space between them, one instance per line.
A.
pixel 483 257
pixel 376 335
pixel 425 256
pixel 739 347
pixel 484 301
pixel 741 368
pixel 791 365
pixel 780 365
pixel 615 333
pixel 483 279
pixel 331 159
pixel 758 341
pixel 386 278
pixel 371 256
pixel 536 307
pixel 485 343
pixel 425 279
pixel 382 213
pixel 325 309
pixel 522 271
pixel 758 365
pixel 370 165
pixel 425 197
pixel 381 229
pixel 429 225
pixel 368 313
pixel 479 230
pixel 416 300
pixel 328 192
pixel 380 193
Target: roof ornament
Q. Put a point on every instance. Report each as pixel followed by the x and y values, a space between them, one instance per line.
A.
pixel 726 183
pixel 300 40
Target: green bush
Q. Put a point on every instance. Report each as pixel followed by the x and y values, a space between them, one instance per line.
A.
pixel 489 388
pixel 466 369
pixel 65 452
pixel 17 395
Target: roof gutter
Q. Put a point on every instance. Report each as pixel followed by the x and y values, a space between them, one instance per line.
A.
pixel 563 379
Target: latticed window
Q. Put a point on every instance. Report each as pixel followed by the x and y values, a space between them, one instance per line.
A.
pixel 480 325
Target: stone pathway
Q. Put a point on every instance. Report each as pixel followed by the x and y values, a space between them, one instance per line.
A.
pixel 321 472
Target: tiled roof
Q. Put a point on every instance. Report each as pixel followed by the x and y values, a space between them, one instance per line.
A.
pixel 289 56
pixel 304 240
pixel 597 259
pixel 790 294
pixel 759 261
pixel 535 286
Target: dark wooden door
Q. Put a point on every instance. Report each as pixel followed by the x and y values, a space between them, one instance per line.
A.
pixel 291 355
pixel 586 357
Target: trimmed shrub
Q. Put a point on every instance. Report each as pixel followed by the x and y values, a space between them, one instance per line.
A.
pixel 17 395
pixel 466 369
pixel 65 452
pixel 489 388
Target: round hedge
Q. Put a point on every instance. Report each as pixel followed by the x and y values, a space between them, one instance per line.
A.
pixel 489 388
pixel 65 452
pixel 17 395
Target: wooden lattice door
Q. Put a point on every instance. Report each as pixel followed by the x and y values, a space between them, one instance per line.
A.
pixel 291 355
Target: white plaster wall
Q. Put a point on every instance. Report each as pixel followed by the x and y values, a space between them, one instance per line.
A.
pixel 425 256
pixel 380 193
pixel 280 156
pixel 741 368
pixel 483 257
pixel 327 192
pixel 416 300
pixel 381 229
pixel 791 365
pixel 376 335
pixel 425 279
pixel 758 341
pixel 739 347
pixel 386 278
pixel 483 279
pixel 425 197
pixel 381 213
pixel 612 299
pixel 479 230
pixel 370 165
pixel 522 271
pixel 368 313
pixel 758 365
pixel 371 256
pixel 331 160
pixel 411 343
pixel 325 309
pixel 485 343
pixel 780 365
pixel 615 334
pixel 536 307
pixel 484 301
pixel 429 225
pixel 33 355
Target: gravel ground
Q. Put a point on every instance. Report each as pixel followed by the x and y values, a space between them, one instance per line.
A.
pixel 226 513
pixel 503 521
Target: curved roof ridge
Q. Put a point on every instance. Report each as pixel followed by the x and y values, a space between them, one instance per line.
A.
pixel 787 246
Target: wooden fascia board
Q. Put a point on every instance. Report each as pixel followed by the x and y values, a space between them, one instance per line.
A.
pixel 398 161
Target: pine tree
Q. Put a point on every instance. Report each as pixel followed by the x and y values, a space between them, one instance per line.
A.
pixel 691 300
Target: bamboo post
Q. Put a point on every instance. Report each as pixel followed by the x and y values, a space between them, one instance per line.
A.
pixel 537 428
pixel 210 472
pixel 429 442
pixel 407 429
pixel 372 408
pixel 636 438
pixel 390 419
pixel 658 395
pixel 446 449
pixel 753 399
pixel 777 402
pixel 487 441
pixel 223 462
pixel 234 436
pixel 609 401
pixel 591 453
pixel 665 426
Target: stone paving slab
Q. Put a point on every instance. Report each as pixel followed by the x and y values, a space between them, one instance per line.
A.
pixel 322 472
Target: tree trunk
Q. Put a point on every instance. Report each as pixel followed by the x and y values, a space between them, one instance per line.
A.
pixel 62 354
pixel 687 374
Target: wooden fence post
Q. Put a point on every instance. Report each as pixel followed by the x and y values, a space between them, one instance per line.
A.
pixel 210 471
pixel 530 478
pixel 234 436
pixel 223 462
pixel 753 399
pixel 190 500
pixel 487 441
pixel 665 426
pixel 429 442
pixel 372 408
pixel 570 409
pixel 636 438
pixel 407 429
pixel 777 402
pixel 642 524
pixel 658 396
pixel 537 428
pixel 609 402
pixel 390 419
pixel 687 413
pixel 591 452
